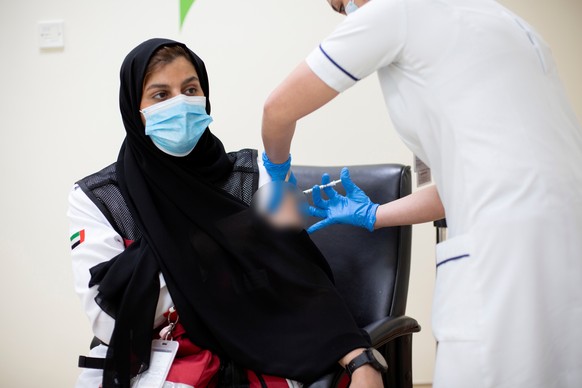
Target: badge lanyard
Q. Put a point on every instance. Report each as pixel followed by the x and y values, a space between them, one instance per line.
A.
pixel 162 356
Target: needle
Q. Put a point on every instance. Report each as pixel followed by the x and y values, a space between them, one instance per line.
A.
pixel 330 184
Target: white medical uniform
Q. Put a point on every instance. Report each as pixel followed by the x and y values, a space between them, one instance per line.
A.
pixel 473 90
pixel 102 243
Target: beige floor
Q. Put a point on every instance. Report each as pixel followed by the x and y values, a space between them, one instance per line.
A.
pixel 422 386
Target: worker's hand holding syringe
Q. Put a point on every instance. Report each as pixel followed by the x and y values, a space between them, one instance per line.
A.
pixel 355 208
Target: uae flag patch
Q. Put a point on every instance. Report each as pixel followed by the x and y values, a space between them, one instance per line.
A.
pixel 77 239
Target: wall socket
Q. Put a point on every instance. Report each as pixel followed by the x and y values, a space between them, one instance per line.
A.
pixel 51 34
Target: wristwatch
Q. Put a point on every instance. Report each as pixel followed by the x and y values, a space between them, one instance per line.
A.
pixel 369 356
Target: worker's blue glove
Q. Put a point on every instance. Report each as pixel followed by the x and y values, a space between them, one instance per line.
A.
pixel 354 209
pixel 278 172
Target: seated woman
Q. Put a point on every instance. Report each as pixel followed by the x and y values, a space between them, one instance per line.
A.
pixel 165 235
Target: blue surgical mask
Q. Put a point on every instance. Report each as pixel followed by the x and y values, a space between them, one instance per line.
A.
pixel 176 125
pixel 351 7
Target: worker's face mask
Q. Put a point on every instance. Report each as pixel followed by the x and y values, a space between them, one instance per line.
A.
pixel 351 7
pixel 176 125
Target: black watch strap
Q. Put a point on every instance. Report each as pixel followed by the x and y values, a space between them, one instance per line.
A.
pixel 369 356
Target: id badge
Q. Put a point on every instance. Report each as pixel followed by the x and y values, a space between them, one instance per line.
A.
pixel 162 356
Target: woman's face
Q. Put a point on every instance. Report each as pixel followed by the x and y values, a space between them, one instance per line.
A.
pixel 168 81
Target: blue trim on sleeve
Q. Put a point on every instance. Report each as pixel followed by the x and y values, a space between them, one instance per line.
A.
pixel 338 66
pixel 452 259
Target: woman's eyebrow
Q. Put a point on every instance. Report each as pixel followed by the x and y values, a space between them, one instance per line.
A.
pixel 165 86
pixel 157 86
pixel 188 80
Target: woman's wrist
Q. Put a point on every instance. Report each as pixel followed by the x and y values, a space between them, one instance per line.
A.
pixel 345 360
pixel 366 376
pixel 366 369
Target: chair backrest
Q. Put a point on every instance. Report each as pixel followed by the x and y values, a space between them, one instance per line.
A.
pixel 371 270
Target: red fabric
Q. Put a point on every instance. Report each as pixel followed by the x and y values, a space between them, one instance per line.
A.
pixel 127 242
pixel 193 366
pixel 344 381
pixel 198 367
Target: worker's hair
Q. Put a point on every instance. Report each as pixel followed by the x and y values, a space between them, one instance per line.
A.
pixel 164 56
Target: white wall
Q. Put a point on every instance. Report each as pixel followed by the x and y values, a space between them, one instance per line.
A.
pixel 60 122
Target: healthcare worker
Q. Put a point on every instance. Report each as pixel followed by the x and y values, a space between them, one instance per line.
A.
pixel 472 90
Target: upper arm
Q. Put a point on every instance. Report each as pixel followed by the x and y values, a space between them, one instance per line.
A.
pixel 300 94
pixel 364 42
pixel 371 38
pixel 100 243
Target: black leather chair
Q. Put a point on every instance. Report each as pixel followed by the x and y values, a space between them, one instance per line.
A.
pixel 371 269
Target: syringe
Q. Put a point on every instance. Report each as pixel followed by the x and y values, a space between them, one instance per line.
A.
pixel 330 184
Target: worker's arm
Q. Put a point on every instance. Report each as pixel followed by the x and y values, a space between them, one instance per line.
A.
pixel 364 42
pixel 421 206
pixel 301 93
pixel 356 208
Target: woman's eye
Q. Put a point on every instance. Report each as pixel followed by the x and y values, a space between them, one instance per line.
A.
pixel 190 91
pixel 160 95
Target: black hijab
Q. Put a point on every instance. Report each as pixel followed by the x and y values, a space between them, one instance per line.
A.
pixel 263 298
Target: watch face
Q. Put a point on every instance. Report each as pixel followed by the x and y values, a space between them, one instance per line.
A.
pixel 380 358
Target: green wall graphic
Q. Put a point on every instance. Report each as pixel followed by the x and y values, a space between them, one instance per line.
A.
pixel 185 6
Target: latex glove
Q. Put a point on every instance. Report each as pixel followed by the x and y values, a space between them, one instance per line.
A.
pixel 278 172
pixel 354 209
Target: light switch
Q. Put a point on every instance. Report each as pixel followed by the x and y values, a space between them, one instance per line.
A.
pixel 51 34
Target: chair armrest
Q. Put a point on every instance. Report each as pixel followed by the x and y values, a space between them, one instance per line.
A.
pixel 385 330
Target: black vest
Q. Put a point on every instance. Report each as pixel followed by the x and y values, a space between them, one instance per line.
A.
pixel 102 188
